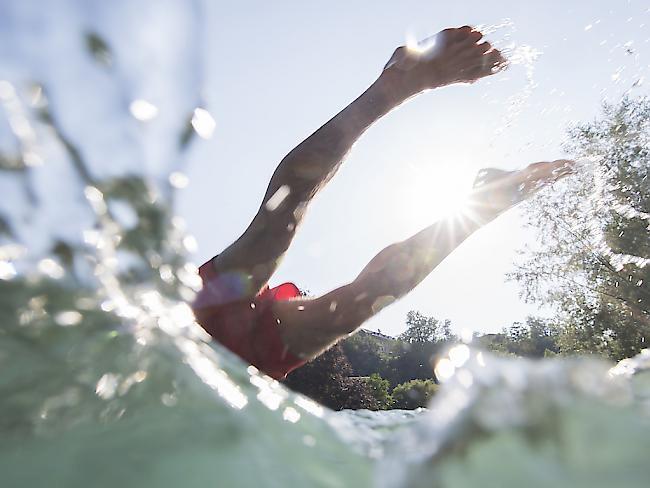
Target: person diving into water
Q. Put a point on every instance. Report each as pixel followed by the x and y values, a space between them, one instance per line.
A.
pixel 277 329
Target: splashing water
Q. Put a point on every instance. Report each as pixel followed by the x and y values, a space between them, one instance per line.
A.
pixel 107 380
pixel 517 55
pixel 525 56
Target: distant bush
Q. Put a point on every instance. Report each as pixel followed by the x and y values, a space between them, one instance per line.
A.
pixel 413 394
pixel 379 390
pixel 327 380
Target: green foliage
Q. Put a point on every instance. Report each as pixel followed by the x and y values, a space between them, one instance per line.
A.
pixel 362 369
pixel 379 388
pixel 593 246
pixel 422 340
pixel 534 339
pixel 422 329
pixel 327 379
pixel 367 353
pixel 413 394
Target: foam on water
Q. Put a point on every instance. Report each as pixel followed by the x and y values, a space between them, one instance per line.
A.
pixel 106 379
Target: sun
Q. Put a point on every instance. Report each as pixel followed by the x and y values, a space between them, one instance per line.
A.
pixel 436 191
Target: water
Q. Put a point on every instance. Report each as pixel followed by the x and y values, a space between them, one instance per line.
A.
pixel 107 381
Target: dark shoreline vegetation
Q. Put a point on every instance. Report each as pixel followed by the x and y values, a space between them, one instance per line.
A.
pixel 377 372
pixel 591 266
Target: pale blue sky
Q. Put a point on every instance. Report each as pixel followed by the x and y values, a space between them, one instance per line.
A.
pixel 276 71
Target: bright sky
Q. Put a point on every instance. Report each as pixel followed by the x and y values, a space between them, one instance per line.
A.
pixel 276 71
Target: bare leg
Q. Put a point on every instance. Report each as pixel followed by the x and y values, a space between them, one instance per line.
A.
pixel 458 57
pixel 310 326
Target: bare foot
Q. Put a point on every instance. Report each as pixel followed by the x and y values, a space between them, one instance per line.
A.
pixel 496 190
pixel 451 56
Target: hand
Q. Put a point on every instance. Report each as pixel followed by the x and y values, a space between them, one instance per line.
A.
pixel 451 56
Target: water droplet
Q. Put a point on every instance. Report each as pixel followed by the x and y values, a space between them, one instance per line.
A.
pixel 166 273
pixel 169 399
pixel 203 123
pixel 143 110
pixel 51 268
pixel 6 90
pixel 308 440
pixel 444 369
pixel 382 302
pixel 68 318
pixel 309 406
pixel 190 244
pixel 178 180
pixel 96 199
pixel 290 414
pixel 480 359
pixel 7 270
pixel 459 355
pixel 277 198
pixel 107 386
pixel 466 335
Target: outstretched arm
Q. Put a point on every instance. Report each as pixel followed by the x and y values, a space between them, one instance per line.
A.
pixel 456 56
pixel 310 326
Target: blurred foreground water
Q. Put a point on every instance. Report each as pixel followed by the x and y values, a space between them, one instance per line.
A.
pixel 105 380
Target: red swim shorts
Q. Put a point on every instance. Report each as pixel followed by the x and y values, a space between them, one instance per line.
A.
pixel 243 324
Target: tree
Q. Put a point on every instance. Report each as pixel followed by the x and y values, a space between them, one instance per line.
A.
pixel 590 264
pixel 365 353
pixel 422 339
pixel 423 329
pixel 534 339
pixel 327 380
pixel 379 388
pixel 413 394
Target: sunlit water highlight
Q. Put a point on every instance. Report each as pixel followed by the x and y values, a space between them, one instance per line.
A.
pixel 106 379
